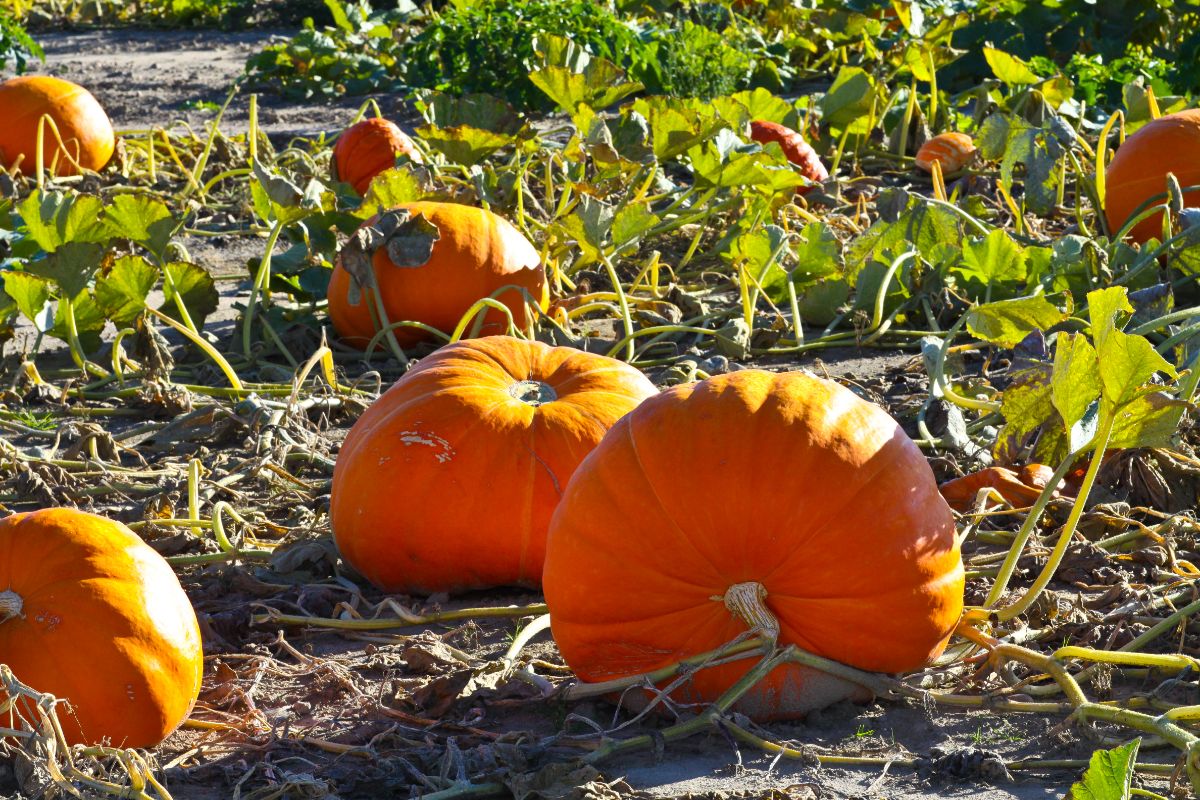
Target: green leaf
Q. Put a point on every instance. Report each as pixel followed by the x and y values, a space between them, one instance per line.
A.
pixel 71 266
pixel 1009 69
pixel 818 254
pixel 721 162
pixel 463 144
pixel 1109 775
pixel 759 251
pixel 89 322
pixel 1075 383
pixel 391 188
pixel 739 109
pixel 848 102
pixel 631 222
pixel 1027 405
pixel 1104 306
pixel 145 220
pixel 677 125
pixel 589 226
pixel 1126 364
pixel 54 219
pixel 994 260
pixel 1151 420
pixel 32 296
pixel 195 287
pixel 482 111
pixel 571 77
pixel 121 293
pixel 1007 322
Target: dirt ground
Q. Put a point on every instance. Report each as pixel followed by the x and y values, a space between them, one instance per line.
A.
pixel 381 710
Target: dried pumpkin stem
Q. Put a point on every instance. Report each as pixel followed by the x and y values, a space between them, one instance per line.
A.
pixel 745 600
pixel 535 393
pixel 10 605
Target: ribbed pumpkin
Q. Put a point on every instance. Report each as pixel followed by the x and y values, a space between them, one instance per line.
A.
pixel 1139 170
pixel 448 481
pixel 782 487
pixel 367 148
pixel 798 152
pixel 432 261
pixel 93 615
pixel 84 127
pixel 953 150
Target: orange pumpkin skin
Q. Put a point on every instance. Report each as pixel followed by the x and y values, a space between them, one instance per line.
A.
pixel 478 253
pixel 367 148
pixel 953 150
pixel 786 480
pixel 1019 488
pixel 448 481
pixel 84 127
pixel 103 624
pixel 797 151
pixel 1139 170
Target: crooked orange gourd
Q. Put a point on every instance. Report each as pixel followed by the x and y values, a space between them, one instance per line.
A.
pixel 798 152
pixel 82 124
pixel 448 481
pixel 93 615
pixel 367 148
pixel 1139 170
pixel 429 262
pixel 952 150
pixel 782 487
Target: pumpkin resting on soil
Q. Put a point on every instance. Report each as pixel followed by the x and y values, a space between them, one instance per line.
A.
pixel 1019 488
pixel 93 615
pixel 367 148
pixel 1139 170
pixel 951 150
pixel 82 124
pixel 798 152
pixel 431 262
pixel 752 482
pixel 448 481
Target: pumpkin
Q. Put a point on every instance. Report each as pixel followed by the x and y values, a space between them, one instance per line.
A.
pixel 1019 488
pixel 366 149
pixel 93 615
pixel 82 124
pixel 1139 170
pixel 448 481
pixel 431 262
pixel 953 150
pixel 753 500
pixel 797 151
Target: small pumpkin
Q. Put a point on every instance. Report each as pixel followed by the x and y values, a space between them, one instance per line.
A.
pixel 798 152
pixel 448 481
pixel 430 262
pixel 1139 170
pixel 82 124
pixel 720 506
pixel 93 615
pixel 1019 488
pixel 953 150
pixel 367 148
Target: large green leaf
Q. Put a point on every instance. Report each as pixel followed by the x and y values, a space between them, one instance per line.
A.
pixel 1109 775
pixel 847 104
pixel 1007 322
pixel 145 220
pixel 31 293
pixel 121 293
pixel 195 287
pixel 1076 380
pixel 1009 69
pixel 71 266
pixel 56 218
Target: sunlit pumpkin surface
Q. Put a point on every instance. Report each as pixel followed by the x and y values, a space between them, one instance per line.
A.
pixel 951 150
pixel 477 254
pixel 104 624
pixel 1139 170
pixel 82 124
pixel 448 481
pixel 367 148
pixel 786 480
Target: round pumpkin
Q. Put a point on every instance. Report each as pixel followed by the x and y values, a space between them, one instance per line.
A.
pixel 951 149
pixel 784 497
pixel 431 262
pixel 82 124
pixel 367 148
pixel 1139 170
pixel 448 481
pixel 93 615
pixel 798 152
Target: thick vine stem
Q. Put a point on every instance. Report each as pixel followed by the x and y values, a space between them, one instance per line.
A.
pixel 11 605
pixel 745 601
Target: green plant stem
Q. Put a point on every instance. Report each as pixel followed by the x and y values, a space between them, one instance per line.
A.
pixel 261 279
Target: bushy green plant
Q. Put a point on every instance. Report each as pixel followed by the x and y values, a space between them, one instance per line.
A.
pixel 16 45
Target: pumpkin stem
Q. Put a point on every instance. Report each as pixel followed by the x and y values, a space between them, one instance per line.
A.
pixel 10 605
pixel 535 393
pixel 745 600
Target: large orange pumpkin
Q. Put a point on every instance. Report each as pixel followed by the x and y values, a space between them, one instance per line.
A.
pixel 448 481
pixel 1139 170
pixel 798 152
pixel 84 127
pixel 784 487
pixel 431 262
pixel 93 615
pixel 367 148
